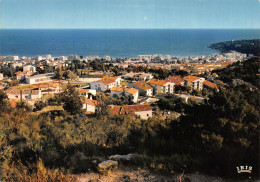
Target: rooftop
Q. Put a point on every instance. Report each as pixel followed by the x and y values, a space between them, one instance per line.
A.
pixel 92 102
pixel 42 75
pixel 191 78
pixel 177 80
pixel 127 90
pixel 159 82
pixel 127 109
pixel 143 85
pixel 210 84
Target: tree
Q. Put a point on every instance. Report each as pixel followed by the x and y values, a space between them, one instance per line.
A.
pixel 71 100
pixel 59 73
pixel 70 75
pixel 172 103
pixel 3 98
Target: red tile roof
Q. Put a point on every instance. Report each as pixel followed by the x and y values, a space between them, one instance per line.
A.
pixel 117 89
pixel 210 84
pixel 13 91
pixel 159 82
pixel 127 90
pixel 107 81
pixel 131 90
pixel 191 78
pixel 143 85
pixel 92 102
pixel 177 80
pixel 127 109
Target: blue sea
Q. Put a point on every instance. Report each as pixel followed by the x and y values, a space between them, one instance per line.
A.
pixel 117 42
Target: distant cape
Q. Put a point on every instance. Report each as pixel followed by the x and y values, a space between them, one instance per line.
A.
pixel 243 46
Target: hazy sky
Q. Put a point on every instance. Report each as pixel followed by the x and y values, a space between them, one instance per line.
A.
pixel 130 14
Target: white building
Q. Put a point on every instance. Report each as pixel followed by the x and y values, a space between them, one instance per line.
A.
pixel 145 57
pixel 92 58
pixel 39 78
pixel 31 94
pixel 143 111
pixel 194 82
pixel 143 87
pixel 106 83
pixel 119 91
pixel 38 58
pixel 162 86
pixel 25 94
pixel 29 68
pixel 73 57
pixel 12 58
pixel 91 106
pixel 138 76
pixel 48 56
pixel 63 58
pixel 107 58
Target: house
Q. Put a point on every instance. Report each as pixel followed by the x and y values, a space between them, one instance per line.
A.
pixel 143 87
pixel 55 87
pixel 144 111
pixel 91 106
pixel 23 94
pixel 22 75
pixel 119 91
pixel 162 86
pixel 31 94
pixel 106 83
pixel 40 78
pixel 138 76
pixel 29 68
pixel 177 80
pixel 194 82
pixel 115 78
pixel 13 94
pixel 210 85
pixel 88 93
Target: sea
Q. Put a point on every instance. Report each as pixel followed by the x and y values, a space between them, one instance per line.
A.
pixel 117 43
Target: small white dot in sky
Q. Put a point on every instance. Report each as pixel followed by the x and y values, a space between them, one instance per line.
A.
pixel 145 18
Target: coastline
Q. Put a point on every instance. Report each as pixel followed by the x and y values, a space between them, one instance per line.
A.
pixel 117 43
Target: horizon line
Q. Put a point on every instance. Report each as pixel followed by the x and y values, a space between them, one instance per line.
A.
pixel 130 28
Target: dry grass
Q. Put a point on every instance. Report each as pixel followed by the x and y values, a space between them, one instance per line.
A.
pixel 29 87
pixel 50 108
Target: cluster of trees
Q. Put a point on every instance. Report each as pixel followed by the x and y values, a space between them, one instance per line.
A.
pixel 219 134
pixel 246 71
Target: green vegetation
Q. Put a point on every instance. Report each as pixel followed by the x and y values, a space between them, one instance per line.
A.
pixel 246 71
pixel 243 46
pixel 212 137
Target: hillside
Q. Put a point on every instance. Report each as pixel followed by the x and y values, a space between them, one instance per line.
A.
pixel 243 46
pixel 248 71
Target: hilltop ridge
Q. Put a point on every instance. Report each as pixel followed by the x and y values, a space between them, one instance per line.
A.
pixel 243 46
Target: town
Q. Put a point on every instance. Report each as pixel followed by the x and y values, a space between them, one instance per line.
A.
pixel 141 81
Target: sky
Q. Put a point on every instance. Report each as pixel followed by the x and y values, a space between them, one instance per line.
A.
pixel 125 14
